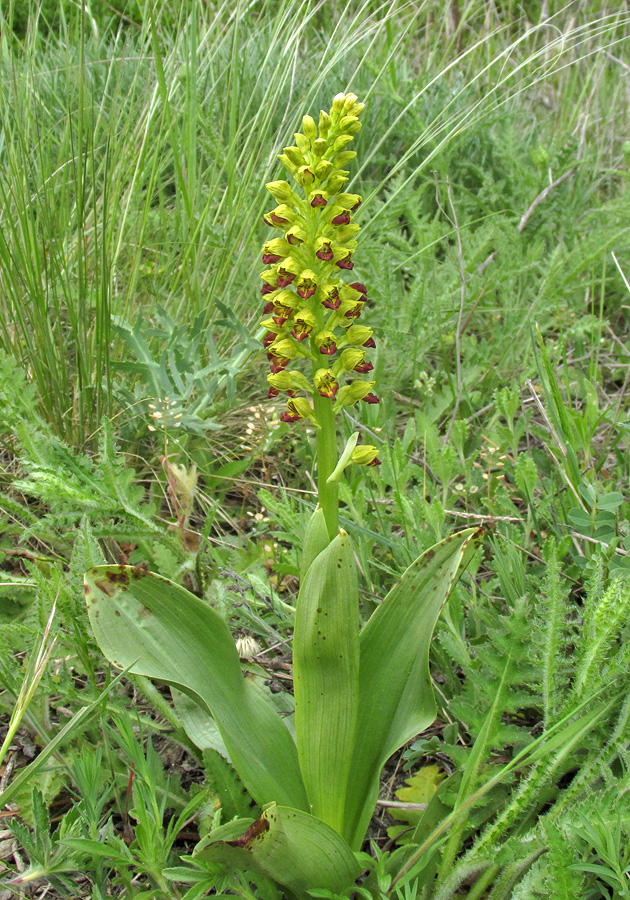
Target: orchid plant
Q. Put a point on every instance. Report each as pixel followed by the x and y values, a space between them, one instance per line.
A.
pixel 360 692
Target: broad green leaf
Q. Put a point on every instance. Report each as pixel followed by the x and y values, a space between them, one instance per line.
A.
pixel 580 518
pixel 162 631
pixel 395 694
pixel 198 723
pixel 610 501
pixel 200 726
pixel 297 850
pixel 315 540
pixel 326 678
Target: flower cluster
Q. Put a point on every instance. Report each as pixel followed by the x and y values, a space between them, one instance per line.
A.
pixel 310 311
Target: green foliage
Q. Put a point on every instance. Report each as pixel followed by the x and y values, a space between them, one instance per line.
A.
pixel 180 385
pixel 521 669
pixel 134 149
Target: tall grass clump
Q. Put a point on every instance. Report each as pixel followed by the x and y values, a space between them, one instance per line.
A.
pixel 133 151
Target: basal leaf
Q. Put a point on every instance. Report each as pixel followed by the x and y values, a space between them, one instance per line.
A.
pixel 162 631
pixel 326 678
pixel 315 540
pixel 395 694
pixel 297 850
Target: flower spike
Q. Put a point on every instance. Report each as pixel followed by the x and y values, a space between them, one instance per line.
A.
pixel 312 308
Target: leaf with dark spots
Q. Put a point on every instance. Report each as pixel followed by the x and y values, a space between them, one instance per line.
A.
pixel 162 631
pixel 117 577
pixel 295 849
pixel 396 699
pixel 256 830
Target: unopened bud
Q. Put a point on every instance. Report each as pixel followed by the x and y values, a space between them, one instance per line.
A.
pixel 349 102
pixel 336 182
pixel 341 142
pixel 295 155
pixel 350 125
pixel 342 159
pixel 338 102
pixel 303 143
pixel 288 164
pixel 319 147
pixel 323 169
pixel 324 123
pixel 309 128
pixel 355 110
pixel 282 192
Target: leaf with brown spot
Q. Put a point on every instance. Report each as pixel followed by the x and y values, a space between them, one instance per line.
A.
pixel 164 632
pixel 292 847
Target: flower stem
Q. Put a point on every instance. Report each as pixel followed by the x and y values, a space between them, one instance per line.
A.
pixel 327 454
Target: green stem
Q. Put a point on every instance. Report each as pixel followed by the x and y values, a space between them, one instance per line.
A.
pixel 327 455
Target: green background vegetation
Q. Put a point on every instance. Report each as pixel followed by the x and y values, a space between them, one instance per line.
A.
pixel 135 142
